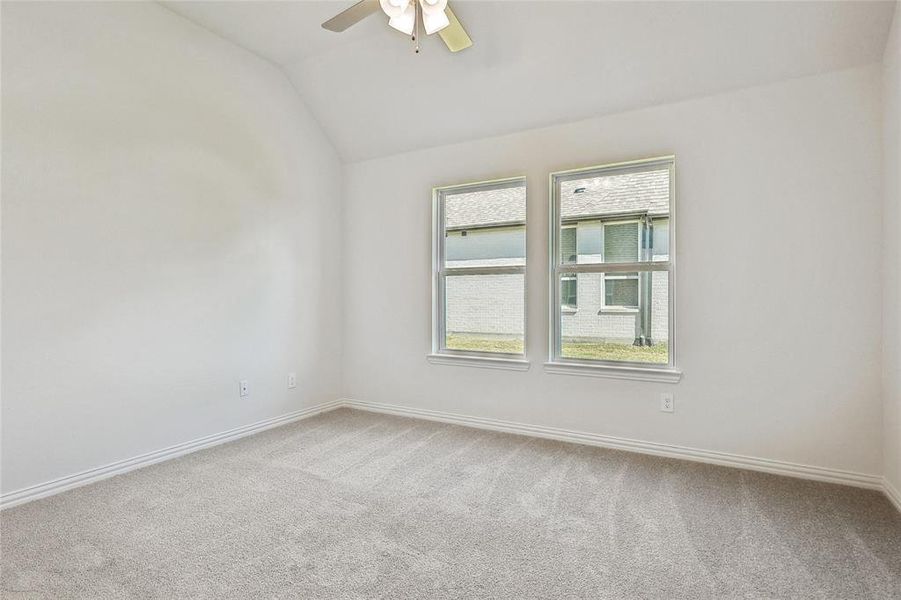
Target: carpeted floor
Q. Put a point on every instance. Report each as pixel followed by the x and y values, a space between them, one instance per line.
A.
pixel 357 505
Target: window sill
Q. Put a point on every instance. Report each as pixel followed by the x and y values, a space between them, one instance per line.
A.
pixel 568 311
pixel 482 362
pixel 655 374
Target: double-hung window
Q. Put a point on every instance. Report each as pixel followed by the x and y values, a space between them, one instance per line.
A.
pixel 611 270
pixel 479 266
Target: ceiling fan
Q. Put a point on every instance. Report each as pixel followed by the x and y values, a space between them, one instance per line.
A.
pixel 434 16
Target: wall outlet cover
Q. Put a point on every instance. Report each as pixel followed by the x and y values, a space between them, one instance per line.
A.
pixel 667 402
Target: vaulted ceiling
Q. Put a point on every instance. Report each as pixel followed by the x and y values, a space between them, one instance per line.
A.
pixel 536 63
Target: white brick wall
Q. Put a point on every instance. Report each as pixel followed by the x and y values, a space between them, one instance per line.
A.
pixel 586 323
pixel 494 304
pixel 614 325
pixel 660 307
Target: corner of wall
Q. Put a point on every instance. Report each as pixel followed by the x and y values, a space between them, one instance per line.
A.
pixel 891 256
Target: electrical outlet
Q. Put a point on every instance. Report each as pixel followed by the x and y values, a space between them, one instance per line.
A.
pixel 244 388
pixel 667 403
pixel 292 380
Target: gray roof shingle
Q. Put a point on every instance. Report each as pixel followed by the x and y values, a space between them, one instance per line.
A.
pixel 646 191
pixel 485 207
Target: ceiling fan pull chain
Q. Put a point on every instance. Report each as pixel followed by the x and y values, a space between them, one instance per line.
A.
pixel 417 19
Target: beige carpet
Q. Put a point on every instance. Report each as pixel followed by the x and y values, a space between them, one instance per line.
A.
pixel 356 505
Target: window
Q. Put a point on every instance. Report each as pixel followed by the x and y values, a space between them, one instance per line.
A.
pixel 569 293
pixel 568 244
pixel 611 242
pixel 621 242
pixel 479 271
pixel 621 290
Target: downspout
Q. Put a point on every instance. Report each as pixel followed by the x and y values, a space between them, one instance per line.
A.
pixel 643 326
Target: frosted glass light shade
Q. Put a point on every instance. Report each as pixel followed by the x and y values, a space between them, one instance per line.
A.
pixel 434 21
pixel 405 21
pixel 395 8
pixel 433 6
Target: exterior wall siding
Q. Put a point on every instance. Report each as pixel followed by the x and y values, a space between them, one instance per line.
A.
pixel 486 247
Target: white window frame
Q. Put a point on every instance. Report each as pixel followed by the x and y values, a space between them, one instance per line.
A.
pixel 605 368
pixel 440 354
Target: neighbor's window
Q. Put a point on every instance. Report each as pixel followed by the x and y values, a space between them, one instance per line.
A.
pixel 479 269
pixel 569 293
pixel 611 264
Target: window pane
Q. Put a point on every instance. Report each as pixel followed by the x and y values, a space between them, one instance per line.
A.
pixel 486 227
pixel 599 206
pixel 600 331
pixel 485 313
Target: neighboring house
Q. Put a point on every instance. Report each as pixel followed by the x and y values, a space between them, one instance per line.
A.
pixel 612 219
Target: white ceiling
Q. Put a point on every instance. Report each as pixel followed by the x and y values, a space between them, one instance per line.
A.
pixel 536 63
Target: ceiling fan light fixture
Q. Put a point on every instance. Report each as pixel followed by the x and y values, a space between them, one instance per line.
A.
pixel 395 8
pixel 434 22
pixel 435 16
pixel 405 21
pixel 433 6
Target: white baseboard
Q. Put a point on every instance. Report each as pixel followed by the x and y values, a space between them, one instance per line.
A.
pixel 62 484
pixel 578 437
pixel 892 492
pixel 765 465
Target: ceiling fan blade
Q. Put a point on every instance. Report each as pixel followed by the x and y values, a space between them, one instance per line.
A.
pixel 352 15
pixel 454 35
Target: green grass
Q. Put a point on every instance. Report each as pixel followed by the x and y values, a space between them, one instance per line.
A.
pixel 456 341
pixel 585 350
pixel 623 352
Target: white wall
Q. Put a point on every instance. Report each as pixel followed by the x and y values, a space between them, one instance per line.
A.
pixel 798 164
pixel 892 230
pixel 171 217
